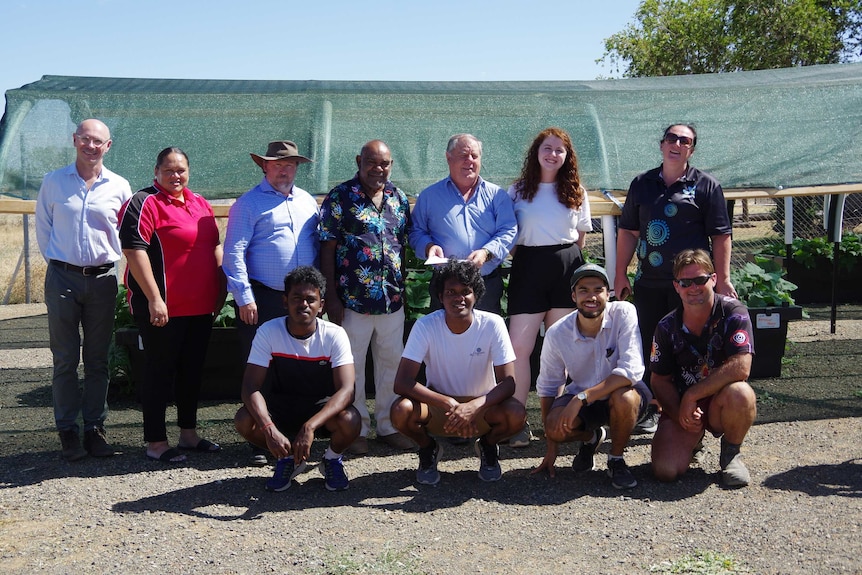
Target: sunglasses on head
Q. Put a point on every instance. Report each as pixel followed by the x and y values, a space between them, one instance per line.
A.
pixel 684 141
pixel 699 280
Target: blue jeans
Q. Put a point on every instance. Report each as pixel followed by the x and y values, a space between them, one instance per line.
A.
pixel 74 300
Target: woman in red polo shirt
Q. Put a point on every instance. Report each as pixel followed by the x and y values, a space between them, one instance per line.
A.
pixel 171 242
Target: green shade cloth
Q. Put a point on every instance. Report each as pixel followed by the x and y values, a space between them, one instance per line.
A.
pixel 789 127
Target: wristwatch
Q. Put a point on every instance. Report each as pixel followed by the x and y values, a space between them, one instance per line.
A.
pixel 583 397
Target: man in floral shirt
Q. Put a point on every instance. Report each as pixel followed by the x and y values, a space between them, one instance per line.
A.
pixel 363 233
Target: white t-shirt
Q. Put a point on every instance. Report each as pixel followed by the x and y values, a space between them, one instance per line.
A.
pixel 547 222
pixel 460 364
pixel 328 344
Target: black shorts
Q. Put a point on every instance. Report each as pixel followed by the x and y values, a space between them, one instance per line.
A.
pixel 290 412
pixel 540 278
pixel 598 413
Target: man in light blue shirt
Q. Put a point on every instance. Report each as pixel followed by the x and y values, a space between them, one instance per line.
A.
pixel 76 228
pixel 271 230
pixel 465 217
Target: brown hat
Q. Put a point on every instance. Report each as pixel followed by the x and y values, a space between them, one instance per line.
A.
pixel 280 150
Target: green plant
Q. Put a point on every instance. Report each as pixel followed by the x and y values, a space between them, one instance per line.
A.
pixel 761 283
pixel 808 251
pixel 704 562
pixel 417 277
pixel 226 317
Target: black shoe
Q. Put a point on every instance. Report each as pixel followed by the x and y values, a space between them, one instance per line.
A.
pixel 585 460
pixel 96 443
pixel 649 424
pixel 258 456
pixel 621 476
pixel 71 444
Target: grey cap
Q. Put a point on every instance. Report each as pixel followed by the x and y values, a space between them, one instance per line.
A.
pixel 590 270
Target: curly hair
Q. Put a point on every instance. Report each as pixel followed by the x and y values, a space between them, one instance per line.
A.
pixel 305 275
pixel 463 271
pixel 569 189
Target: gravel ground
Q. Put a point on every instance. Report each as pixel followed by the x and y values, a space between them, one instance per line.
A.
pixel 802 514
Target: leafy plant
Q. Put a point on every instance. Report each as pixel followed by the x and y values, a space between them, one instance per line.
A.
pixel 704 562
pixel 762 284
pixel 808 251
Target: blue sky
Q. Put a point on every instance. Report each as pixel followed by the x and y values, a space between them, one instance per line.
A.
pixel 313 40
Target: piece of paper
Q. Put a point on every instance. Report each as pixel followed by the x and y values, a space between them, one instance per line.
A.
pixel 436 261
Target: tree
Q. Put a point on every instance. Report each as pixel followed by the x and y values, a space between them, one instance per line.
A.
pixel 700 36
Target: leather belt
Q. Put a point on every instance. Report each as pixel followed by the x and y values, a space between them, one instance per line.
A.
pixel 86 270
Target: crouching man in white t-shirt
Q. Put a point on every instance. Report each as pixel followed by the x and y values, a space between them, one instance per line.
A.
pixel 470 369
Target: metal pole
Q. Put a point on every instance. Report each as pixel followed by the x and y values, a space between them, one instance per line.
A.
pixel 26 258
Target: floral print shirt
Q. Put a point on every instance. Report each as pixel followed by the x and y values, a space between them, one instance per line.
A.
pixel 370 242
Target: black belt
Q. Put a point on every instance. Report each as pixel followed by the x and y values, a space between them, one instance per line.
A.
pixel 86 270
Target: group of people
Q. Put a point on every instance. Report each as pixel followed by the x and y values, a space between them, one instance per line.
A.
pixel 287 262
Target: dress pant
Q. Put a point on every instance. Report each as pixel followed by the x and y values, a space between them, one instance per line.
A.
pixel 175 355
pixel 79 304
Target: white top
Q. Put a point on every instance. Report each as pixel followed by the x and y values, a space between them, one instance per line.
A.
pixel 460 364
pixel 328 343
pixel 547 222
pixel 590 360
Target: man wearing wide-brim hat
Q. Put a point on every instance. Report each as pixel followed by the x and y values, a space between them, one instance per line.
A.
pixel 271 230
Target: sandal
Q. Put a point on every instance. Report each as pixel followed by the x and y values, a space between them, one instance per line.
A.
pixel 170 455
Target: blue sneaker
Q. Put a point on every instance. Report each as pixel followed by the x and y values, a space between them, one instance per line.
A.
pixel 429 457
pixel 285 471
pixel 333 472
pixel 489 460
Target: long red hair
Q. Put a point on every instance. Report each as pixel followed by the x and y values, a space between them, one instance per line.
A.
pixel 569 190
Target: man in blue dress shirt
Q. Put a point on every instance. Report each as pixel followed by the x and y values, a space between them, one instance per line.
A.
pixel 76 227
pixel 465 217
pixel 271 230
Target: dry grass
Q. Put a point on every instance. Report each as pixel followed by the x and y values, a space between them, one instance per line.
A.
pixel 11 250
pixel 12 269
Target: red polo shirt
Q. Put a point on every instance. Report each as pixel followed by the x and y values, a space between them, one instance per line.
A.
pixel 180 238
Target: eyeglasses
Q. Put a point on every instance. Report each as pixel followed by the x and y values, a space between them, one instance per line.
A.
pixel 684 141
pixel 699 280
pixel 86 140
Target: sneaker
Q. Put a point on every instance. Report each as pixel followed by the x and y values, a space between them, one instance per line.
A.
pixel 71 445
pixel 398 441
pixel 333 472
pixel 621 477
pixel 258 456
pixel 649 424
pixel 96 443
pixel 285 471
pixel 359 446
pixel 489 460
pixel 429 457
pixel 522 438
pixel 585 460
